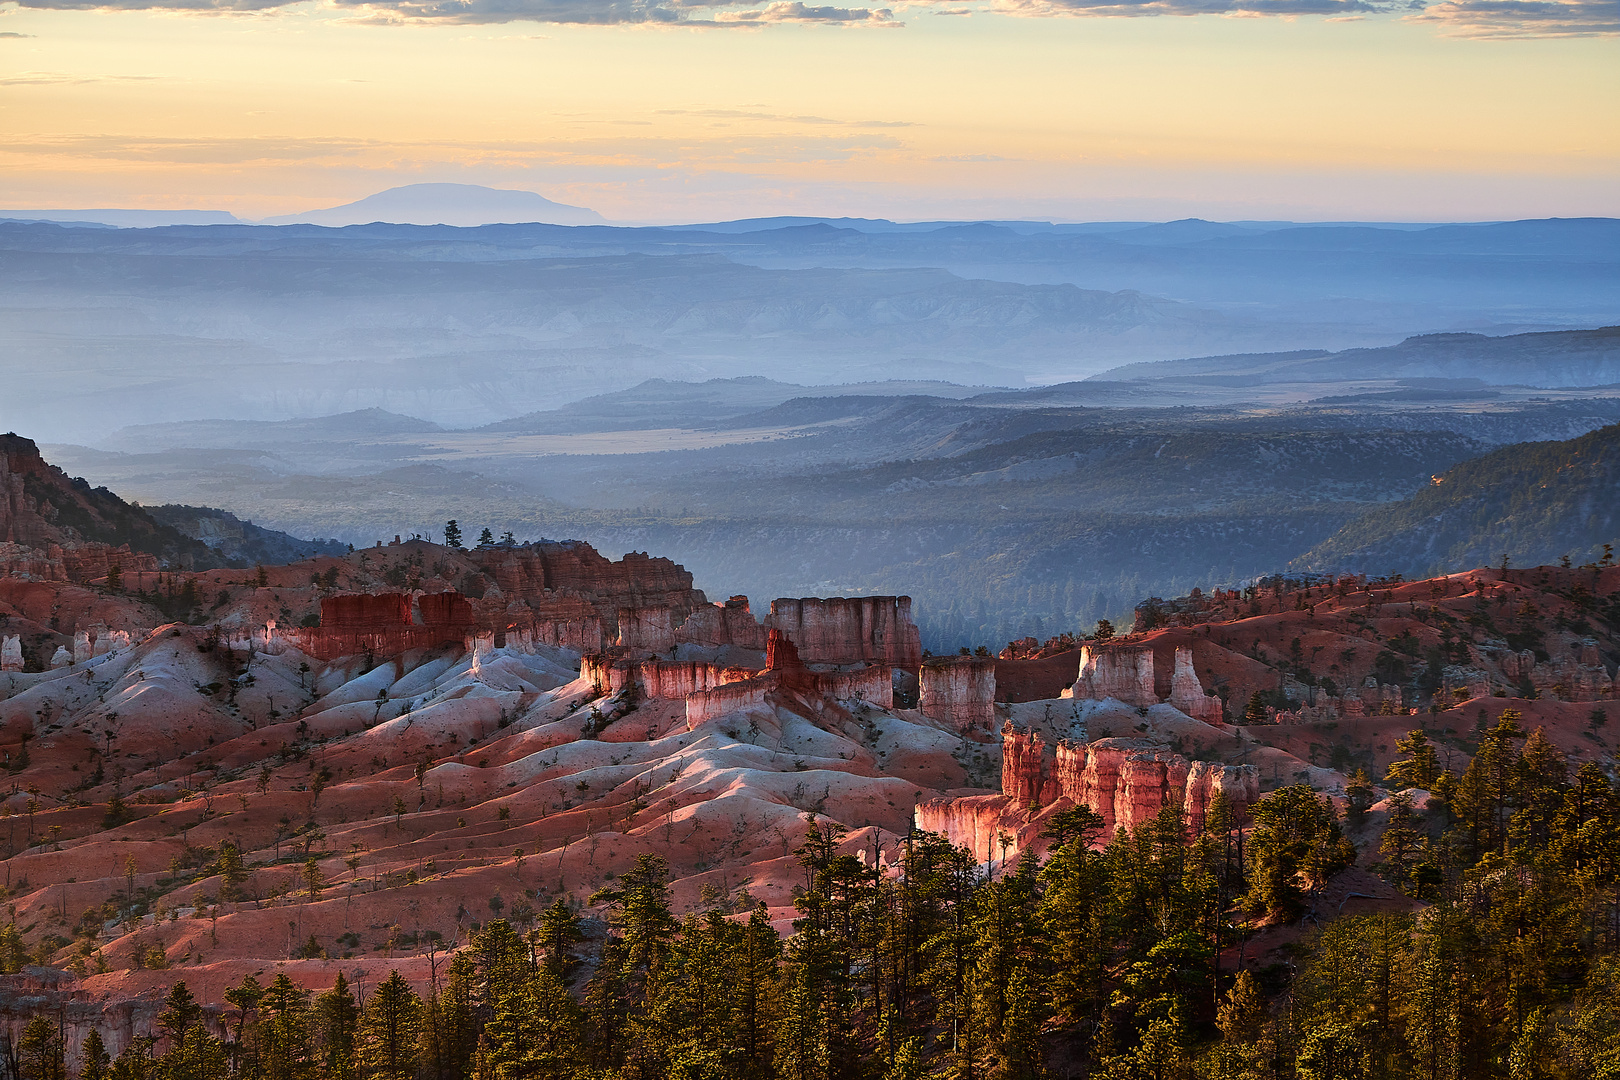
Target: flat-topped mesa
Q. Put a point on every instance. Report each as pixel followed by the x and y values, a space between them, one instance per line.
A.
pixel 960 690
pixel 1127 675
pixel 838 630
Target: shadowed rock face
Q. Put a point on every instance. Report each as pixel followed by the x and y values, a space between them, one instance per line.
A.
pixel 76 532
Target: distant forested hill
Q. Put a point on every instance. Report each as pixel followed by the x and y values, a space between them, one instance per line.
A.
pixel 1533 502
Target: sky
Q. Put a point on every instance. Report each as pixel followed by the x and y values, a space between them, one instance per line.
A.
pixel 671 110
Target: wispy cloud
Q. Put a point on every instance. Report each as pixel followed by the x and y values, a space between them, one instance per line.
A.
pixel 1144 8
pixel 1524 18
pixel 1465 18
pixel 58 78
pixel 791 11
pixel 783 118
pixel 13 34
pixel 716 153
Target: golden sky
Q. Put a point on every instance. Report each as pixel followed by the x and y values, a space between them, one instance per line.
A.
pixel 1058 109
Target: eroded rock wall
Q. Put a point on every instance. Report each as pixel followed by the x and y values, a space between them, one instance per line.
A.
pixel 1119 673
pixel 836 630
pixel 960 690
pixel 1126 781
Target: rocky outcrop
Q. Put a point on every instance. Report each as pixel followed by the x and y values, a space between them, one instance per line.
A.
pixel 1187 693
pixel 648 629
pixel 1127 675
pixel 727 623
pixel 837 630
pixel 366 612
pixel 730 697
pixel 979 823
pixel 959 690
pixel 11 654
pixel 1126 781
pixel 1578 675
pixel 1119 673
pixel 77 531
pixel 383 624
pixel 535 575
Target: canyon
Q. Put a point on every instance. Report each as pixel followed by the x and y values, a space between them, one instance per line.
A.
pixel 406 741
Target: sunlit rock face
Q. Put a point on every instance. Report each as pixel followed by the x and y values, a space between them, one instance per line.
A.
pixel 960 690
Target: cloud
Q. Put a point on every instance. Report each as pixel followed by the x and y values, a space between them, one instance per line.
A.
pixel 13 34
pixel 969 157
pixel 180 151
pixel 1459 18
pixel 791 11
pixel 57 78
pixel 784 118
pixel 1238 8
pixel 1524 18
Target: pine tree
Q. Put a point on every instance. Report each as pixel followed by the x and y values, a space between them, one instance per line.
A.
pixel 337 1025
pixel 40 1052
pixel 1419 767
pixel 391 1031
pixel 93 1057
pixel 452 534
pixel 231 871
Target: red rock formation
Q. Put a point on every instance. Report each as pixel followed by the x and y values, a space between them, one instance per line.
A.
pixel 871 683
pixel 876 629
pixel 1187 693
pixel 1124 674
pixel 728 623
pixel 1126 781
pixel 960 690
pixel 648 629
pixel 380 623
pixel 729 697
pixel 534 575
pixel 446 609
pixel 366 611
pixel 1025 769
pixel 978 823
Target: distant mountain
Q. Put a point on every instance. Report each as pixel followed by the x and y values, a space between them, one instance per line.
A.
pixel 464 205
pixel 1549 359
pixel 1533 501
pixel 216 434
pixel 666 403
pixel 124 219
